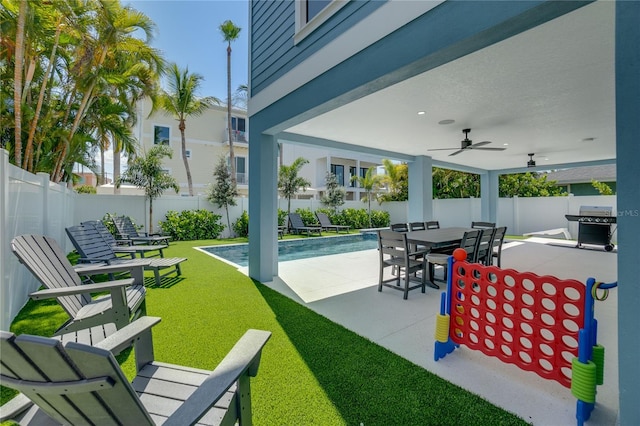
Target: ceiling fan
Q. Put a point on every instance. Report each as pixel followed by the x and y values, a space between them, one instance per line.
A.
pixel 467 143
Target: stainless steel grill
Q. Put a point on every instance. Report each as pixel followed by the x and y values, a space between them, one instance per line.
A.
pixel 594 225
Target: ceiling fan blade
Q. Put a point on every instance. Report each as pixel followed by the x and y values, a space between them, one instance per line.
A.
pixel 491 149
pixel 442 149
pixel 475 145
pixel 458 152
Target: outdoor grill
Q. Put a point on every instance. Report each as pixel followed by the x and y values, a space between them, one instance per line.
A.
pixel 594 225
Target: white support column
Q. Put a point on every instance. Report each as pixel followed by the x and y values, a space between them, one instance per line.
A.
pixel 489 191
pixel 420 189
pixel 263 208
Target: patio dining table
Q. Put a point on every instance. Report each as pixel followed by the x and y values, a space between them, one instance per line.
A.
pixel 434 238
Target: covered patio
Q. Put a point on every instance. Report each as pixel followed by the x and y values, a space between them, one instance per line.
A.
pixel 343 289
pixel 553 79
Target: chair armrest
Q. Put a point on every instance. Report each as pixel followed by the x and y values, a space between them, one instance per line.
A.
pixel 50 293
pixel 16 406
pixel 243 359
pixel 128 335
pixel 95 269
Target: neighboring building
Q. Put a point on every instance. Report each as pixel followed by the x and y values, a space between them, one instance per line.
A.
pixel 207 139
pixel 577 181
pixel 343 164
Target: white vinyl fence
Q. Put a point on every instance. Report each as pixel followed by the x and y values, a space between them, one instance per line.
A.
pixel 30 204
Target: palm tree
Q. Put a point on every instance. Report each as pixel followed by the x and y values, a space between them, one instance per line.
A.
pixel 371 184
pixel 146 172
pixel 181 101
pixel 17 79
pixel 289 183
pixel 230 32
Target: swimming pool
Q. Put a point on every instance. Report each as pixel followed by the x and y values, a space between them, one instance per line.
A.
pixel 300 248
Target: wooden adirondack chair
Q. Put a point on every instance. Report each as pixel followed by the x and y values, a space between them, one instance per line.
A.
pixel 127 230
pixel 81 384
pixel 46 260
pixel 93 248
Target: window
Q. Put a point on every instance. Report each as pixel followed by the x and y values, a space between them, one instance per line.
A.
pixel 241 170
pixel 314 7
pixel 161 135
pixel 352 173
pixel 239 124
pixel 310 14
pixel 238 127
pixel 242 178
pixel 338 170
pixel 363 171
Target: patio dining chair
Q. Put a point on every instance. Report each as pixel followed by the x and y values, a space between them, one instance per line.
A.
pixel 485 246
pixel 432 224
pixel 496 247
pixel 394 252
pixel 399 227
pixel 469 243
pixel 417 226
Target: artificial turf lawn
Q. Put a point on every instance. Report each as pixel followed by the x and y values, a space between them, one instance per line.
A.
pixel 313 371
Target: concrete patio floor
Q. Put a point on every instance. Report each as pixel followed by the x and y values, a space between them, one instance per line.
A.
pixel 343 288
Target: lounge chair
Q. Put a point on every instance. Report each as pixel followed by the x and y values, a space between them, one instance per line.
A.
pixel 127 231
pixel 93 249
pixel 326 224
pixel 81 384
pixel 44 258
pixel 296 224
pixel 128 248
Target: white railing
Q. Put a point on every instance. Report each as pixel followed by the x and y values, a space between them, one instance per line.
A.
pixel 31 204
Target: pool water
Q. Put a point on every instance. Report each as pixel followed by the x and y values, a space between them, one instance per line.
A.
pixel 300 249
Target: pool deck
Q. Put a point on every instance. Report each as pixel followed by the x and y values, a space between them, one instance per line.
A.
pixel 343 288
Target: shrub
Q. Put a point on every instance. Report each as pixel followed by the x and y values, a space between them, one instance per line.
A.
pixel 282 217
pixel 308 217
pixel 380 219
pixel 86 189
pixel 192 225
pixel 241 226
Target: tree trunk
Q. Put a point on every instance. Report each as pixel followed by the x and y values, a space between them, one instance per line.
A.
pixel 17 80
pixel 232 156
pixel 116 168
pixel 150 216
pixel 28 153
pixel 182 126
pixel 231 233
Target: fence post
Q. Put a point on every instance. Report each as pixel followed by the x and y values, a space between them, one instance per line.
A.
pixel 44 181
pixel 5 320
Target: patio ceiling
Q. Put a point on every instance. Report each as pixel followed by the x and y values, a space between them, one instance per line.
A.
pixel 548 91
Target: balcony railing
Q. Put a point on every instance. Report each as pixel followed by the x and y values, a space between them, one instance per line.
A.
pixel 241 178
pixel 236 136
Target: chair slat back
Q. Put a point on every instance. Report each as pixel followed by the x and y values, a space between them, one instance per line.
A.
pixel 296 220
pixel 89 243
pixel 417 226
pixel 102 230
pixel 323 219
pixel 124 226
pixel 470 242
pixel 483 225
pixel 74 384
pixel 44 258
pixel 399 227
pixel 485 244
pixel 392 243
pixel 432 224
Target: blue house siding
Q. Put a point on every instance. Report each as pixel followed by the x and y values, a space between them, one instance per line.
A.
pixel 447 32
pixel 273 51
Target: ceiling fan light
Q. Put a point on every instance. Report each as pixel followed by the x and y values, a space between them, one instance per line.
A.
pixel 531 163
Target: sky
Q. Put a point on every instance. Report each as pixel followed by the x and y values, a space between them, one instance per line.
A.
pixel 187 33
